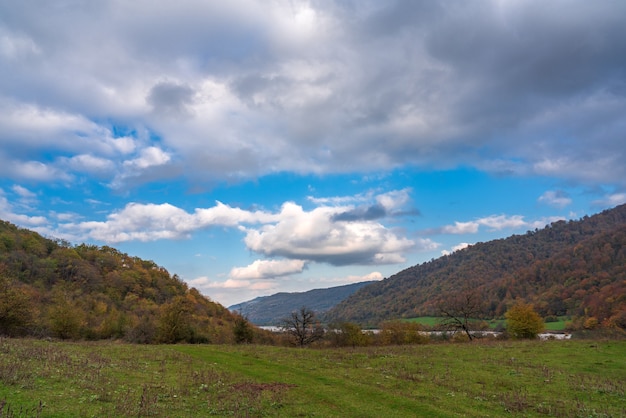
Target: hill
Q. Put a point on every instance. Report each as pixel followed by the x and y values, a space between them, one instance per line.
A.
pixel 575 268
pixel 270 310
pixel 49 288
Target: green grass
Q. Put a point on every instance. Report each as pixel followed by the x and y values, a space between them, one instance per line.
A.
pixel 558 325
pixel 434 320
pixel 479 379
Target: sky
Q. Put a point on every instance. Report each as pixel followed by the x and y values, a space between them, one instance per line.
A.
pixel 254 147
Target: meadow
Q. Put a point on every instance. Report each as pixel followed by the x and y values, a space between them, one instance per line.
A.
pixel 577 378
pixel 560 324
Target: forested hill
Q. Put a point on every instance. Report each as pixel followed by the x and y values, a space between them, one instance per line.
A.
pixel 50 288
pixel 271 310
pixel 575 268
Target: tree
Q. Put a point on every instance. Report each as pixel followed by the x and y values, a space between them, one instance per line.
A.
pixel 399 332
pixel 303 327
pixel 523 322
pixel 16 310
pixel 461 311
pixel 242 330
pixel 348 334
pixel 175 321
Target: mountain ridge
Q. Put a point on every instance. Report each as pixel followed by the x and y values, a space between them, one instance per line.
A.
pixel 558 268
pixel 270 310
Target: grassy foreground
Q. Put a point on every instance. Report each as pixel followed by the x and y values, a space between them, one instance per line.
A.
pixel 551 378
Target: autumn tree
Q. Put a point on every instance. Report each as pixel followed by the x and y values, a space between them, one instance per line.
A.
pixel 461 311
pixel 65 316
pixel 523 322
pixel 175 321
pixel 16 311
pixel 303 327
pixel 399 332
pixel 348 334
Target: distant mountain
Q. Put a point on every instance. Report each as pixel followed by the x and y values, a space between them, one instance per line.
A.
pixel 575 268
pixel 270 310
pixel 49 288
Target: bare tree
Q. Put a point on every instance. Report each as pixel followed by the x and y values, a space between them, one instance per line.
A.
pixel 461 310
pixel 303 327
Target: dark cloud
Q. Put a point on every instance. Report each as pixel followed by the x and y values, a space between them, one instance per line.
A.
pixel 168 98
pixel 368 213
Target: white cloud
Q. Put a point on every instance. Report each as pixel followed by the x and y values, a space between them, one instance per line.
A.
pixel 23 192
pixel 7 213
pixel 556 198
pixel 460 246
pixel 33 171
pixel 312 235
pixel 394 200
pixel 461 228
pixel 267 269
pixel 499 222
pixel 149 222
pixel 611 200
pixel 493 222
pixel 148 157
pixel 90 164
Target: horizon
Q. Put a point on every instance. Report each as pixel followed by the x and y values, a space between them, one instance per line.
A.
pixel 255 148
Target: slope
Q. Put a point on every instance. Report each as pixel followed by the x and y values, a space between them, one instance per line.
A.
pixel 49 288
pixel 270 310
pixel 565 268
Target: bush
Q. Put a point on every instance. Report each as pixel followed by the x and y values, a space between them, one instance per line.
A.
pixel 523 322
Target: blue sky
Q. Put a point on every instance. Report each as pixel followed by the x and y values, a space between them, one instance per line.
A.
pixel 255 147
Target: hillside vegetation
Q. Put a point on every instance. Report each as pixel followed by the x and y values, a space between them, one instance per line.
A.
pixel 49 288
pixel 575 268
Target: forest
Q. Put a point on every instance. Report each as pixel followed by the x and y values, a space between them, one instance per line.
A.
pixel 575 269
pixel 49 288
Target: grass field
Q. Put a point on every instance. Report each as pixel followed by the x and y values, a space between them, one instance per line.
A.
pixel 479 379
pixel 432 321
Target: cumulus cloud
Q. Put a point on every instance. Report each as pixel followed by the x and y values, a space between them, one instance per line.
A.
pixel 314 235
pixel 149 222
pixel 338 235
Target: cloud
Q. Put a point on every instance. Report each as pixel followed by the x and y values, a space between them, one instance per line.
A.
pixel 90 164
pixel 246 89
pixel 557 198
pixel 458 247
pixel 149 222
pixel 23 192
pixel 361 214
pixel 494 223
pixel 611 200
pixel 170 99
pixel 461 228
pixel 313 235
pixel 267 269
pixel 149 157
pixel 7 211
